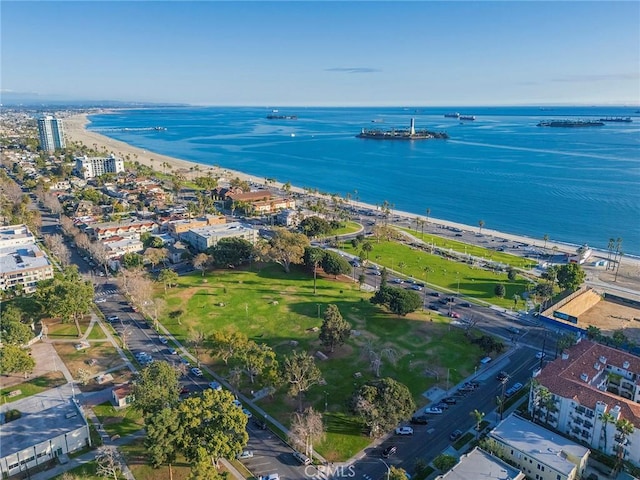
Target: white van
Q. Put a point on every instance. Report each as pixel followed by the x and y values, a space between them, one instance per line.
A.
pixel 271 476
pixel 302 458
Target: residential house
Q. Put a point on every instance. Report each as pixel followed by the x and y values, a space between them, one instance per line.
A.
pixel 122 395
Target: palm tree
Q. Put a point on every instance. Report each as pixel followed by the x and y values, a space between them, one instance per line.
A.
pixel 610 246
pixel 366 248
pixel 546 239
pixel 624 428
pixel 480 224
pixel 606 418
pixel 428 213
pixel 478 416
pixel 315 256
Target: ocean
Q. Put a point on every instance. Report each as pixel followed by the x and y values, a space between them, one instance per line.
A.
pixel 576 185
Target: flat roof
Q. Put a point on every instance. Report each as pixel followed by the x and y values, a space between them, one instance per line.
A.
pixel 221 229
pixel 36 427
pixel 480 464
pixel 537 442
pixel 24 257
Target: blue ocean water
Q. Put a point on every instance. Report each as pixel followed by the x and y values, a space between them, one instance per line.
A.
pixel 577 185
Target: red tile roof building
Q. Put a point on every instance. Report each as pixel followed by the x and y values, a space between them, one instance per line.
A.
pixel 587 381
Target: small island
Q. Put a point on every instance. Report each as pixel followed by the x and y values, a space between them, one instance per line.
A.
pixel 402 134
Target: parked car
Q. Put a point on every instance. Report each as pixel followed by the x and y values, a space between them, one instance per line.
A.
pixel 302 458
pixel 261 424
pixel 420 420
pixel 441 405
pixel 540 355
pixel 215 386
pixel 245 454
pixel 113 318
pixel 100 300
pixel 433 411
pixel 513 389
pixel 271 476
pixel 390 450
pixel 465 304
pixel 416 287
pixel 162 340
pixel 196 371
pixel 502 376
pixel 454 315
pixel 450 401
pixel 247 413
pixel 172 351
pixel 404 431
pixel 456 434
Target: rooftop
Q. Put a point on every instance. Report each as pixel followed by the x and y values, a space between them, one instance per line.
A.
pixel 221 229
pixel 564 376
pixel 539 443
pixel 23 257
pixel 480 464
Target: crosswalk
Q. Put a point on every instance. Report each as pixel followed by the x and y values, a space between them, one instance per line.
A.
pixel 105 293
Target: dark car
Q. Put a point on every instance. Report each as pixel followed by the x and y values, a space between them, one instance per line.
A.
pixel 456 434
pixel 390 450
pixel 434 306
pixel 465 304
pixel 502 376
pixel 435 294
pixel 442 405
pixel 420 420
pixel 450 400
pixel 261 424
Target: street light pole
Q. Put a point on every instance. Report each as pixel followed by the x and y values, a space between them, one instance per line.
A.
pixel 388 468
pixel 326 401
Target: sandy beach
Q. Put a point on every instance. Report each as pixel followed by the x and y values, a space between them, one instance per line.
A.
pixel 75 130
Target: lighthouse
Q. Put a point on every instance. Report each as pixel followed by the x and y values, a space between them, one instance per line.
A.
pixel 412 129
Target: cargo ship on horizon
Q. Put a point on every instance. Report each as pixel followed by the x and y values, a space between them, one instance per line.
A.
pixel 617 119
pixel 570 123
pixel 402 134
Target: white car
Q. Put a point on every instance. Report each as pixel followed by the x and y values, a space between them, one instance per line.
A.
pixel 247 413
pixel 196 371
pixel 215 385
pixel 404 431
pixel 245 454
pixel 101 300
pixel 433 411
pixel 540 355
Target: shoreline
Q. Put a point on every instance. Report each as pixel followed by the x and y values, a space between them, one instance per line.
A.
pixel 75 130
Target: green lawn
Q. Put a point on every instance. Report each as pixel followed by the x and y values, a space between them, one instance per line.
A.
pixel 348 228
pixel 96 333
pixel 118 422
pixel 451 276
pixel 280 309
pixel 136 457
pixel 33 386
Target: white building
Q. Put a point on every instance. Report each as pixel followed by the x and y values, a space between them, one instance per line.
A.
pixel 478 464
pixel 51 133
pixel 41 435
pixel 538 452
pixel 22 263
pixel 587 382
pixel 204 237
pixel 95 166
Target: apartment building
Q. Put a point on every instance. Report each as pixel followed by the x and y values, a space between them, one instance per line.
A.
pixel 204 237
pixel 22 263
pixel 50 133
pixel 91 167
pixel 595 391
pixel 537 452
pixel 478 464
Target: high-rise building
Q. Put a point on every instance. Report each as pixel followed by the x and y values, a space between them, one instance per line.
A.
pixel 51 133
pixel 91 167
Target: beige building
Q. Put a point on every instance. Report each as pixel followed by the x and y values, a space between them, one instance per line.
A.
pixel 22 263
pixel 478 464
pixel 204 237
pixel 537 452
pixel 177 227
pixel 91 167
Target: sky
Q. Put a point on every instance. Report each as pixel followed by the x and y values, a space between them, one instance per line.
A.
pixel 325 53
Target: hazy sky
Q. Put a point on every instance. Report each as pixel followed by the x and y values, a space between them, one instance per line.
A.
pixel 325 53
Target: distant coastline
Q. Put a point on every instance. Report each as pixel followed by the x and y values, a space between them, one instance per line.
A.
pixel 76 130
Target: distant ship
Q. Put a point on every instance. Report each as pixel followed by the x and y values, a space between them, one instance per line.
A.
pixel 452 115
pixel 570 123
pixel 282 117
pixel 617 119
pixel 401 134
pixel 467 117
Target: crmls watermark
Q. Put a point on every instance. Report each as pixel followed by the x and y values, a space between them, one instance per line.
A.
pixel 323 472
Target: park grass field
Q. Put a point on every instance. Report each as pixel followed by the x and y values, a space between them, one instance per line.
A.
pixel 448 275
pixel 33 386
pixel 280 310
pixel 121 422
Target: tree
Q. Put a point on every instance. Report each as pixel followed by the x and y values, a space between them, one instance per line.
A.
pixel 570 276
pixel 606 418
pixel 315 226
pixel 15 333
pixel 335 264
pixel 300 371
pixel 258 360
pixel 313 257
pixel 163 434
pixel 382 404
pixel 397 473
pixel 232 251
pixel 196 339
pixel 225 344
pixel 132 260
pixel 212 422
pixel 477 416
pixel 14 359
pixel 168 278
pixel 335 331
pixel 155 255
pixel 512 274
pixel 480 225
pixel 367 247
pixel 624 428
pixel 593 333
pixel 201 262
pixel 285 248
pixel 306 429
pixel 397 300
pixel 66 296
pixel 108 462
pixel 156 388
pixel 444 462
pixel 499 290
